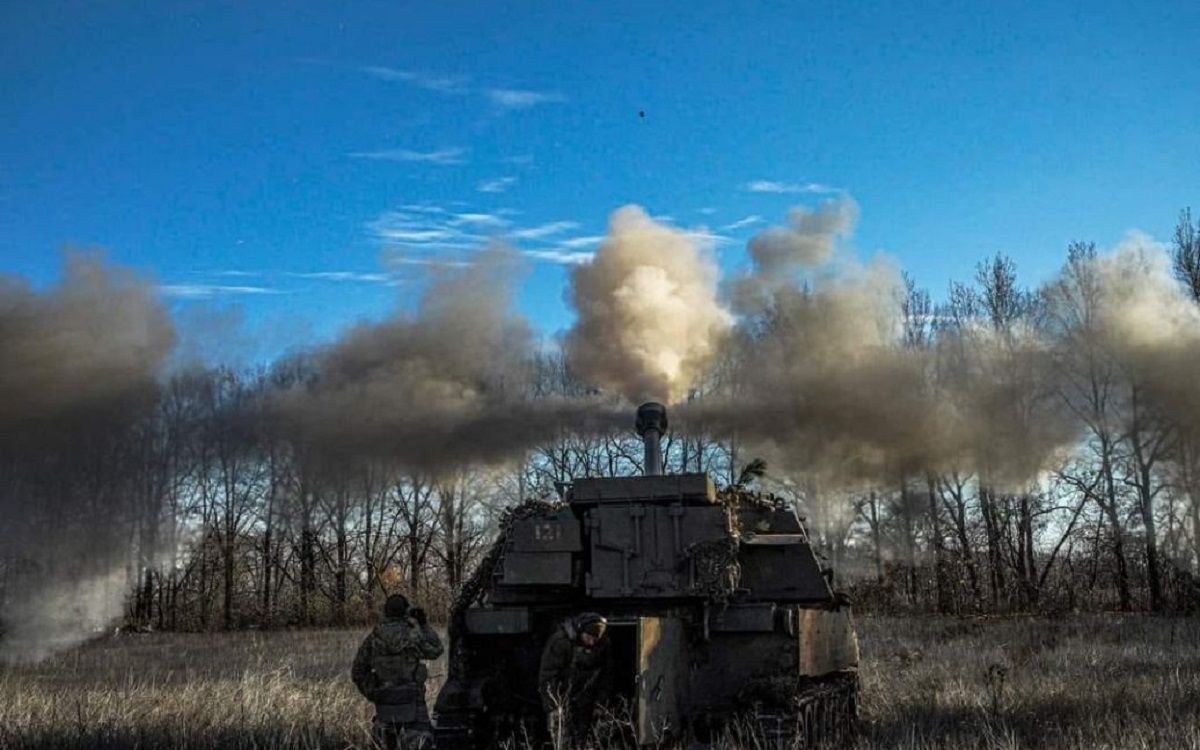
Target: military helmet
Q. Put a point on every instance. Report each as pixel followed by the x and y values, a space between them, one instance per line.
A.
pixel 396 606
pixel 591 623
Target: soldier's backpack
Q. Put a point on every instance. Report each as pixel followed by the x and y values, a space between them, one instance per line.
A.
pixel 399 674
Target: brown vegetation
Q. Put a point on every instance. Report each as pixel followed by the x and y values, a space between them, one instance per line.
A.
pixel 1082 682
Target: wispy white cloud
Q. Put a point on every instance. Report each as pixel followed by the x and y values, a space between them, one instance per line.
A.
pixel 706 238
pixel 707 210
pixel 397 259
pixel 429 228
pixel 562 257
pixel 505 98
pixel 444 84
pixel 496 184
pixel 574 243
pixel 423 208
pixel 235 273
pixel 742 223
pixel 356 276
pixel 771 186
pixel 521 98
pixel 434 236
pixel 479 219
pixel 544 230
pixel 205 291
pixel 438 156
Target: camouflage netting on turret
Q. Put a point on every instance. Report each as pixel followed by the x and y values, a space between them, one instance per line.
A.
pixel 717 572
pixel 734 497
pixel 477 583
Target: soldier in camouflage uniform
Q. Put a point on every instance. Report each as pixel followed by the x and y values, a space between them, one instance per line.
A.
pixel 575 674
pixel 388 671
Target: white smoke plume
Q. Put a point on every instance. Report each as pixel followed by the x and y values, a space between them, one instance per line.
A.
pixel 1150 326
pixel 63 612
pixel 781 253
pixel 649 319
pixel 808 239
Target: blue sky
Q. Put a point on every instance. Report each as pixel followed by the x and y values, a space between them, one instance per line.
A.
pixel 306 161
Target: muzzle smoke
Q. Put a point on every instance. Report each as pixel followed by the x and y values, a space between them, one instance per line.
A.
pixel 649 320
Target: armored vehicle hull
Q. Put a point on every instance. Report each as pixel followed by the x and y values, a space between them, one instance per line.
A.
pixel 720 615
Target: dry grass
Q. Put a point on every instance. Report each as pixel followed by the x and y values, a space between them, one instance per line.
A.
pixel 1085 682
pixel 1097 682
pixel 235 690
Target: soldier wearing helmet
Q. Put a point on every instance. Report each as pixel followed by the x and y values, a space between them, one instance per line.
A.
pixel 575 674
pixel 388 672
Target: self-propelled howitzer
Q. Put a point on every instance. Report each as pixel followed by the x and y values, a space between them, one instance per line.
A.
pixel 720 613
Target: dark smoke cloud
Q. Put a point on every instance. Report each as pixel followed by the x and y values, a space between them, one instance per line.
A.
pixel 82 347
pixel 824 382
pixel 449 385
pixel 820 383
pixel 78 366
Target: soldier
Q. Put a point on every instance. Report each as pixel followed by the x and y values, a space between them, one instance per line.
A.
pixel 388 671
pixel 575 674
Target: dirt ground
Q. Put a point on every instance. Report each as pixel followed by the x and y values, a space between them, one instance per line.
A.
pixel 1080 682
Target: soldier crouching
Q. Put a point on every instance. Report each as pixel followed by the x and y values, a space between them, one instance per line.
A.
pixel 574 675
pixel 389 673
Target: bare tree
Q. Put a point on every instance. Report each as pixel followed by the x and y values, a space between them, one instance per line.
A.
pixel 1186 253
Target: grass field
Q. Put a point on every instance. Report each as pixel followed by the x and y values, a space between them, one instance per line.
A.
pixel 1085 682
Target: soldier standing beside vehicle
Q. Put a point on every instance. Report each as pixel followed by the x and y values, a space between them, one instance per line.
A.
pixel 388 672
pixel 575 674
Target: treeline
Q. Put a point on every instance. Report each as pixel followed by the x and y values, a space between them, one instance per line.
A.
pixel 207 512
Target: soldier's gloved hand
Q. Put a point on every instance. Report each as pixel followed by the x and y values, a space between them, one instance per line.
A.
pixel 419 615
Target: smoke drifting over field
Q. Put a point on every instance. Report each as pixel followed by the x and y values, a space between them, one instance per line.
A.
pixel 821 380
pixel 1146 326
pixel 80 363
pixel 78 350
pixel 810 358
pixel 781 253
pixel 835 373
pixel 447 386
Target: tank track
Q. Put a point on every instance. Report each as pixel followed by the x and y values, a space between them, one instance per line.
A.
pixel 822 714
